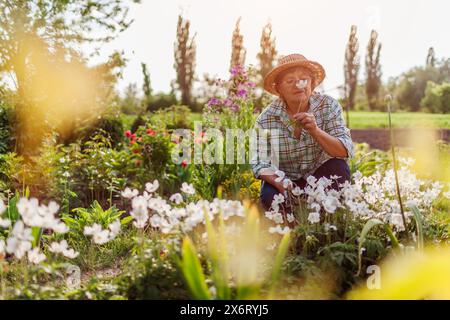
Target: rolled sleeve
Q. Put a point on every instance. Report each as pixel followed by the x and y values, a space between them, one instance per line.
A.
pixel 257 162
pixel 335 126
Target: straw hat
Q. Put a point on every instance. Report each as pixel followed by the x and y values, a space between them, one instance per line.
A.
pixel 292 61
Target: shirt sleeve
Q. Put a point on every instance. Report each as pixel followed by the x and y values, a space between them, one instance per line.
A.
pixel 259 161
pixel 335 126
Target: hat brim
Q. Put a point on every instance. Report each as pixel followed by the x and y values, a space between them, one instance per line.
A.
pixel 318 72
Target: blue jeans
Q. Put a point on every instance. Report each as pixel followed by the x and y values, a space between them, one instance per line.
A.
pixel 331 167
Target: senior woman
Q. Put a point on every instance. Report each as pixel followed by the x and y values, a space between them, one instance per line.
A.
pixel 312 136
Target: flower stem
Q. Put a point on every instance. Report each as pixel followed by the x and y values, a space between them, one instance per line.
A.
pixel 388 99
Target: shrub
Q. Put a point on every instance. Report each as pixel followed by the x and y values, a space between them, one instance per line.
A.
pixel 437 97
pixel 161 101
pixel 5 128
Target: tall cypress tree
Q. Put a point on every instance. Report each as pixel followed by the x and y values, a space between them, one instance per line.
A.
pixel 185 54
pixel 146 86
pixel 431 58
pixel 268 53
pixel 373 70
pixel 351 68
pixel 238 51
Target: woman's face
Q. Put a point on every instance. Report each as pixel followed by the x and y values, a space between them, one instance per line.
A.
pixel 295 86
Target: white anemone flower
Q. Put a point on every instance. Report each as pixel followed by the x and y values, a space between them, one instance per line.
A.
pixel 314 217
pixel 311 180
pixel 19 241
pixel 60 227
pixel 152 187
pixel 129 194
pixel 280 175
pixel 290 217
pixel 2 247
pixel 58 247
pixel 331 204
pixel 278 229
pixel 278 198
pixel 5 223
pixel 2 207
pixel 302 83
pixel 397 220
pixel 177 198
pixel 187 188
pixel 91 230
pixel 140 224
pixel 35 257
pixel 328 227
pixel 278 218
pixel 114 228
pixel 297 191
pixel 287 183
pixel 101 237
pixel 70 253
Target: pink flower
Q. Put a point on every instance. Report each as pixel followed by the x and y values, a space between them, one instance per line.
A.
pixel 184 163
pixel 237 70
pixel 213 102
pixel 235 107
pixel 128 133
pixel 242 91
pixel 228 102
pixel 150 132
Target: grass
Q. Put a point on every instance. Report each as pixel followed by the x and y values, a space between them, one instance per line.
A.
pixel 365 120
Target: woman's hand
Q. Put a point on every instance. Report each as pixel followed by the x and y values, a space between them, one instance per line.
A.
pixel 308 121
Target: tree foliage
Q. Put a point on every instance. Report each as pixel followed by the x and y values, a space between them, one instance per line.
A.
pixel 409 88
pixel 437 97
pixel 55 89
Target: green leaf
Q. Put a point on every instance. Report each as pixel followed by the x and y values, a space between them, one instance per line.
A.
pixel 12 212
pixel 193 272
pixel 419 225
pixel 126 220
pixel 366 229
pixel 281 254
pixel 391 235
pixel 218 255
pixel 36 232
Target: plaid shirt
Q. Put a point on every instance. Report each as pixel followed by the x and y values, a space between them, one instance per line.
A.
pixel 299 158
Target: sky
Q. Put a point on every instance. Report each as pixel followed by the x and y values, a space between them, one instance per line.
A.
pixel 318 29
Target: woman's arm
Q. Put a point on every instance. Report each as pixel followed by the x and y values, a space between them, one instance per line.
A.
pixel 335 139
pixel 331 145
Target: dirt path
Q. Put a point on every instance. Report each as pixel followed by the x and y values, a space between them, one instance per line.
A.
pixel 379 138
